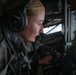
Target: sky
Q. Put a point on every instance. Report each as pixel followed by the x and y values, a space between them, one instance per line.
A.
pixel 58 28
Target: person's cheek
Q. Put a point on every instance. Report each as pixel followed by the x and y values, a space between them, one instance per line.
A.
pixel 36 29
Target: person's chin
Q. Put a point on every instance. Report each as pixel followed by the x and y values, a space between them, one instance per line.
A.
pixel 32 40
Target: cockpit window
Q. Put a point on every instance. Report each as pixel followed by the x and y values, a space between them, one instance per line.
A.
pixel 53 29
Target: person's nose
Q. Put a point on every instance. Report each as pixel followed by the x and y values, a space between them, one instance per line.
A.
pixel 41 29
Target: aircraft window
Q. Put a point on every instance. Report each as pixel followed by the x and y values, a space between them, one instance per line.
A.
pixel 53 29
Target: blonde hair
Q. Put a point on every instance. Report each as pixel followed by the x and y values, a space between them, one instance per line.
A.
pixel 33 7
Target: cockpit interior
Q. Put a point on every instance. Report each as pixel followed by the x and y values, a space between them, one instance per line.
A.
pixel 59 37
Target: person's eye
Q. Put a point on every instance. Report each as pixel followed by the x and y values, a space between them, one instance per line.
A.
pixel 40 24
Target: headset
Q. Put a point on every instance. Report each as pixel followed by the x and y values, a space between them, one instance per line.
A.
pixel 18 18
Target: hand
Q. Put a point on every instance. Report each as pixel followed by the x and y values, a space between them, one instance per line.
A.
pixel 45 60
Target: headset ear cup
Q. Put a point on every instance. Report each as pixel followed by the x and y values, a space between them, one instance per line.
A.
pixel 17 20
